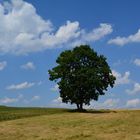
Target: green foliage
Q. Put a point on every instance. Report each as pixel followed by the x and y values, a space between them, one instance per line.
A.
pixel 82 75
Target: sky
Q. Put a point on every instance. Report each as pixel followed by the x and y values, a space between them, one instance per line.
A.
pixel 34 32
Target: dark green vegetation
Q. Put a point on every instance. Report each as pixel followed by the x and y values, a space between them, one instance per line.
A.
pixel 66 124
pixel 10 113
pixel 82 75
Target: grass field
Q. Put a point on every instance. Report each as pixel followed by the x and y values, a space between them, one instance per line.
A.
pixel 62 124
pixel 11 113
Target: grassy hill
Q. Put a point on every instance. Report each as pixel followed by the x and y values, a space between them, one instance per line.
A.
pixel 11 113
pixel 63 124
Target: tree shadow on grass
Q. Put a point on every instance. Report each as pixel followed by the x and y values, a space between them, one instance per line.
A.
pixel 92 111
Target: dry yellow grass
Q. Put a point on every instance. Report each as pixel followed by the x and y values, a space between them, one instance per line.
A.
pixel 119 125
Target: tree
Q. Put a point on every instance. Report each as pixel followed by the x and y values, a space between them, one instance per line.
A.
pixel 82 75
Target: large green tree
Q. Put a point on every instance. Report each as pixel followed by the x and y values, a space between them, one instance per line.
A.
pixel 82 75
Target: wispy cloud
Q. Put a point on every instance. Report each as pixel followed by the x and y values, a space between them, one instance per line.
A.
pixel 57 100
pixel 121 41
pixel 35 98
pixel 20 98
pixel 9 100
pixel 136 89
pixel 111 103
pixel 3 64
pixel 98 33
pixel 137 62
pixel 37 34
pixel 108 103
pixel 23 85
pixel 58 103
pixel 55 88
pixel 39 83
pixel 120 62
pixel 133 103
pixel 28 66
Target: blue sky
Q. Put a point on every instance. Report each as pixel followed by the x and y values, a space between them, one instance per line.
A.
pixel 34 33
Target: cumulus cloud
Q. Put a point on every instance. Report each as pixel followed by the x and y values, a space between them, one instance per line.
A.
pixel 28 66
pixel 121 41
pixel 136 89
pixel 23 85
pixel 29 32
pixel 3 64
pixel 133 103
pixel 137 62
pixel 121 79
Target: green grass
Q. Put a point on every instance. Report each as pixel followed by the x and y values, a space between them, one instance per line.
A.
pixel 63 124
pixel 11 113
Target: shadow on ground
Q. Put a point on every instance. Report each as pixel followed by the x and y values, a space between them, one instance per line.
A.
pixel 92 111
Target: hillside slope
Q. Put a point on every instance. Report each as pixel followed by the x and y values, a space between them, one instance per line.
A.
pixel 111 125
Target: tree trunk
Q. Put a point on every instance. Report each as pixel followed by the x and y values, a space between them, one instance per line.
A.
pixel 81 106
pixel 78 107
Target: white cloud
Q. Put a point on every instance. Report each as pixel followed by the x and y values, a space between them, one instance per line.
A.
pixel 98 33
pixel 28 66
pixel 57 100
pixel 136 89
pixel 120 62
pixel 137 62
pixel 20 98
pixel 58 103
pixel 121 79
pixel 23 85
pixel 8 100
pixel 3 64
pixel 35 98
pixel 121 41
pixel 109 103
pixel 133 103
pixel 37 34
pixel 55 88
pixel 32 99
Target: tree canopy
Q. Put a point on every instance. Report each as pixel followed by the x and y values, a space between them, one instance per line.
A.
pixel 82 75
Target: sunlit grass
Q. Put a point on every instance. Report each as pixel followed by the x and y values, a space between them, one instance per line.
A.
pixel 63 124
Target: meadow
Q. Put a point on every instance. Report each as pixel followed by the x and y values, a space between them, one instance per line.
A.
pixel 66 124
